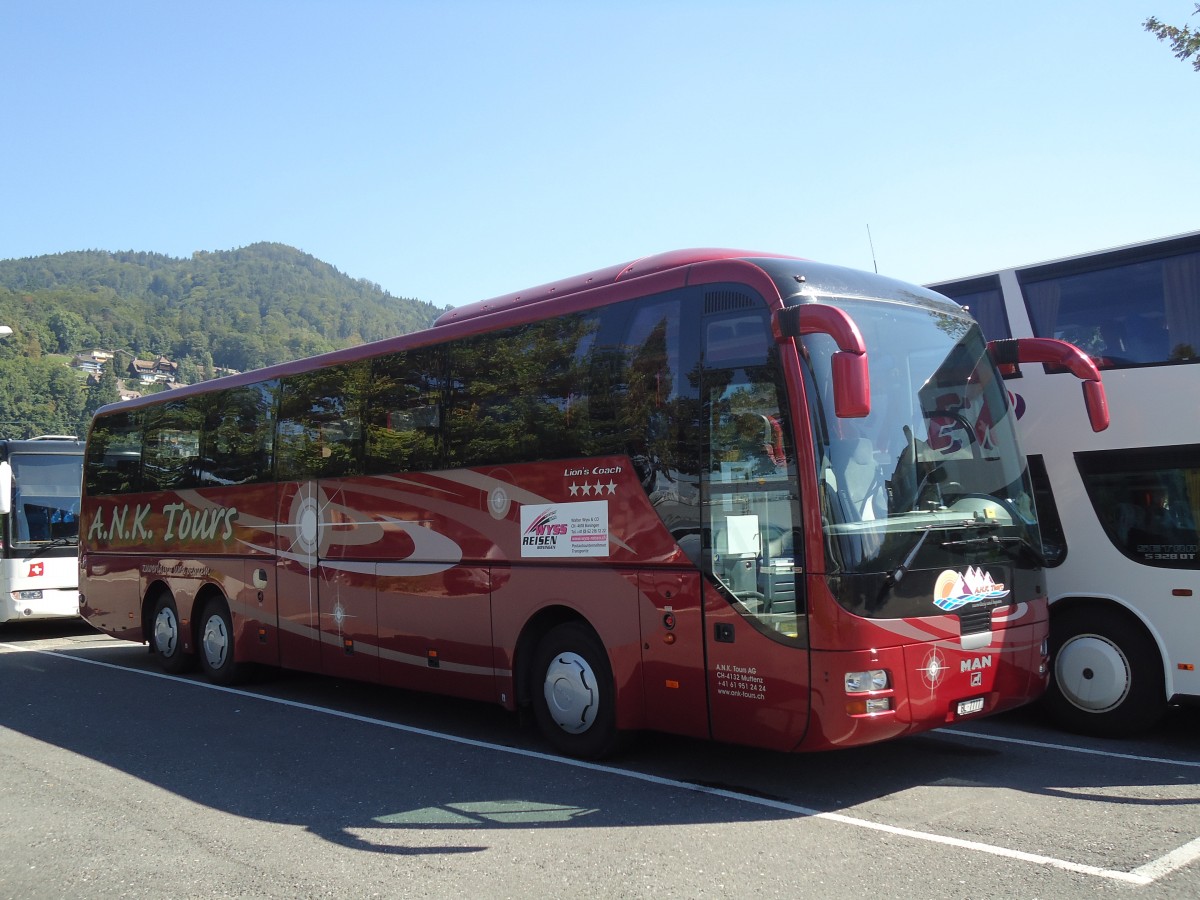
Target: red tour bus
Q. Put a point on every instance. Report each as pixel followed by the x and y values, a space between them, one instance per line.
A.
pixel 721 494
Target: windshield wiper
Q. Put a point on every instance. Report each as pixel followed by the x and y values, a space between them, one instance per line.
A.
pixel 71 540
pixel 897 575
pixel 1016 547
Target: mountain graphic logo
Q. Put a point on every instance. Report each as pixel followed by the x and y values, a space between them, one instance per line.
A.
pixel 955 590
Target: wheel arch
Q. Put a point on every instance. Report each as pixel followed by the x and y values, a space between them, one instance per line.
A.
pixel 207 593
pixel 1117 606
pixel 189 612
pixel 538 625
pixel 154 590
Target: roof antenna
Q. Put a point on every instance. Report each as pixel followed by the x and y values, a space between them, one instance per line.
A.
pixel 872 243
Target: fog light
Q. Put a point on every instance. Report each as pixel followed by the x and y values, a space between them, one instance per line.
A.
pixel 865 706
pixel 872 680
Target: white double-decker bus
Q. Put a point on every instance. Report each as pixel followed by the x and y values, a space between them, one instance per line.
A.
pixel 40 481
pixel 1118 508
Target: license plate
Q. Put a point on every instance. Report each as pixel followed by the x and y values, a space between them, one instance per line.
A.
pixel 970 707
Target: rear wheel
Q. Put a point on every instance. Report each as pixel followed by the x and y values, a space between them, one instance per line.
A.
pixel 574 696
pixel 166 637
pixel 1107 673
pixel 216 644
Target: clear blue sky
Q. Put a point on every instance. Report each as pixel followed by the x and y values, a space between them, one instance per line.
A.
pixel 453 151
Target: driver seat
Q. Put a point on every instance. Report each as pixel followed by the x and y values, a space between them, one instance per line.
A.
pixel 859 478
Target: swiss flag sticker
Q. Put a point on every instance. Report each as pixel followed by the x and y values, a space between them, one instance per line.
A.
pixel 36 569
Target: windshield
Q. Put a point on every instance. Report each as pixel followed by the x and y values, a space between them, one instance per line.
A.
pixel 45 498
pixel 934 475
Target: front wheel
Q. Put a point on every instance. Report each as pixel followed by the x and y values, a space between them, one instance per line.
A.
pixel 574 695
pixel 1107 673
pixel 216 645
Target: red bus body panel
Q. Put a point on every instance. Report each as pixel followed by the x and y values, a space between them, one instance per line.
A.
pixel 424 580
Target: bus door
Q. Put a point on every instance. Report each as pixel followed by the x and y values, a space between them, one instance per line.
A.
pixel 326 589
pixel 754 610
pixel 297 575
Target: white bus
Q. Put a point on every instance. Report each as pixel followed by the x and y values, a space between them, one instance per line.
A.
pixel 1118 509
pixel 40 481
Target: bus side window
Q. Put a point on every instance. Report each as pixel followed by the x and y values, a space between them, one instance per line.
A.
pixel 320 429
pixel 238 436
pixel 171 450
pixel 1148 502
pixel 114 460
pixel 404 412
pixel 512 394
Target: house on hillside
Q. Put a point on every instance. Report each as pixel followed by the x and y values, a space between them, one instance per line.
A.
pixel 92 362
pixel 159 370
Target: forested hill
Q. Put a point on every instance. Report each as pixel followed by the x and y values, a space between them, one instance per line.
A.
pixel 238 309
pixel 247 308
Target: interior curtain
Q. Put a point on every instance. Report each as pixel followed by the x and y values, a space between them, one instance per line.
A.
pixel 1042 299
pixel 1181 297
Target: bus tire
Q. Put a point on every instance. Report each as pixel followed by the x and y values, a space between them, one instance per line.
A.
pixel 216 649
pixel 573 692
pixel 166 636
pixel 1107 676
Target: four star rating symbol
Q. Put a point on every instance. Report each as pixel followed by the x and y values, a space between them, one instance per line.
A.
pixel 587 489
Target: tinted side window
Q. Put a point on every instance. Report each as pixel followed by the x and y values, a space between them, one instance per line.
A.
pixel 320 424
pixel 513 396
pixel 404 419
pixel 171 449
pixel 1148 502
pixel 114 455
pixel 239 433
pixel 983 299
pixel 1054 539
pixel 1133 313
pixel 660 401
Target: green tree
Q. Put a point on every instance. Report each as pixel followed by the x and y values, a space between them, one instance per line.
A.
pixel 68 401
pixel 1185 43
pixel 71 332
pixel 103 392
pixel 240 309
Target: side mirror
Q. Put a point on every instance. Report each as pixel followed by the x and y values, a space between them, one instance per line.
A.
pixel 6 485
pixel 1011 353
pixel 851 377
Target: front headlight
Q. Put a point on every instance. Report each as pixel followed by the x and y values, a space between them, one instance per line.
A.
pixel 871 680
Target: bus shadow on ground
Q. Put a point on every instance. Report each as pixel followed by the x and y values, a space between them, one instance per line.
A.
pixel 368 767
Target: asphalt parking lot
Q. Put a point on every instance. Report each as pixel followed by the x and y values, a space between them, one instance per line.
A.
pixel 121 781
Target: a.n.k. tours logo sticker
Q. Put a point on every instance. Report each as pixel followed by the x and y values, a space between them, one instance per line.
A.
pixel 955 590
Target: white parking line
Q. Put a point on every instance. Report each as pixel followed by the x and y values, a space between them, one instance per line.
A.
pixel 1143 875
pixel 1152 871
pixel 1070 748
pixel 1169 862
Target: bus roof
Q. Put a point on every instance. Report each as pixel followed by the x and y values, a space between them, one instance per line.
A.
pixel 50 445
pixel 793 276
pixel 638 268
pixel 1123 253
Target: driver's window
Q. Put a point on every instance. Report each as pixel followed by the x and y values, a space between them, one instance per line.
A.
pixel 752 503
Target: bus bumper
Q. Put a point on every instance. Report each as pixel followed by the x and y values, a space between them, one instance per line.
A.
pixel 861 697
pixel 44 603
